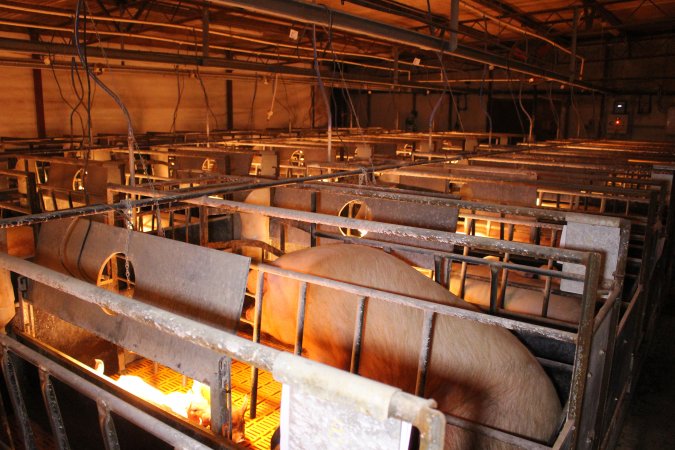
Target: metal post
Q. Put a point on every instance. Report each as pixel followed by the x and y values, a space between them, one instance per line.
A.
pixel 358 336
pixel 257 321
pixel 53 410
pixel 425 351
pixel 16 398
pixel 584 341
pixel 300 321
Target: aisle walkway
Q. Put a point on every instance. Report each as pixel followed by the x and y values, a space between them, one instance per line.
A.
pixel 649 423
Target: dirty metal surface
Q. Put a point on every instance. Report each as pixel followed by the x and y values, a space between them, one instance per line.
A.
pixel 196 282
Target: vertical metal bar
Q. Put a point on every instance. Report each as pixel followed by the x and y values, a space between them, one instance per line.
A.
pixel 438 269
pixel 300 321
pixel 505 271
pixel 468 225
pixel 454 24
pixel 584 341
pixel 205 33
pixel 257 321
pixel 494 288
pixel 425 350
pixel 172 224
pixel 573 49
pixel 203 225
pixel 547 291
pixel 53 410
pixel 448 264
pixel 5 423
pixel 107 425
pixel 16 399
pixel 188 219
pixel 110 216
pixel 221 399
pixel 312 226
pixel 358 335
pixel 32 198
pixel 282 237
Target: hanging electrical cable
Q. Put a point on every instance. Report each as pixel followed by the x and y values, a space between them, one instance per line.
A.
pixel 530 118
pixel 324 95
pixel 556 118
pixel 131 140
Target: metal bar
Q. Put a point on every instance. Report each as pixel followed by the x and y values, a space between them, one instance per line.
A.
pixel 221 399
pixel 300 321
pixel 494 288
pixel 584 341
pixel 425 351
pixel 312 225
pixel 257 321
pixel 16 397
pixel 5 426
pixel 358 336
pixel 53 410
pixel 505 272
pixel 107 425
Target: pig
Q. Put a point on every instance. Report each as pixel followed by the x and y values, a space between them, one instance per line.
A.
pixel 476 371
pixel 516 299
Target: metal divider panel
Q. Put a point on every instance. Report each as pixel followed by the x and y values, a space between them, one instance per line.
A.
pixel 200 283
pixel 581 234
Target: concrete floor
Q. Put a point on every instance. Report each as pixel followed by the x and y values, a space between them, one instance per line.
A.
pixel 649 423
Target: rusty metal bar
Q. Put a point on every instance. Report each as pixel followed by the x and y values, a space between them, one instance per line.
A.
pixel 584 340
pixel 425 351
pixel 107 425
pixel 358 336
pixel 300 321
pixel 494 288
pixel 398 230
pixel 257 321
pixel 16 398
pixel 53 410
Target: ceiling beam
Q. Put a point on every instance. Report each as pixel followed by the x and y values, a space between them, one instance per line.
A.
pixel 333 78
pixel 606 15
pixel 523 17
pixel 321 15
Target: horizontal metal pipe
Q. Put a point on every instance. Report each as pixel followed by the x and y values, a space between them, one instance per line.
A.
pixel 456 256
pixel 517 248
pixel 134 415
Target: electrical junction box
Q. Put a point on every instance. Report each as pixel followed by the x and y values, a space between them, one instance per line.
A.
pixel 618 120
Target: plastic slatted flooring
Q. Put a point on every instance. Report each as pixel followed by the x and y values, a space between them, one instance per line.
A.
pixel 259 430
